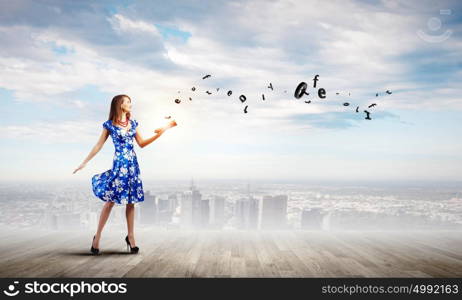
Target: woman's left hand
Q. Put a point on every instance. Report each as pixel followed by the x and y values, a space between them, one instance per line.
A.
pixel 172 124
pixel 159 130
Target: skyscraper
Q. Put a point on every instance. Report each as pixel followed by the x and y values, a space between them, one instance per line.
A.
pixel 191 214
pixel 148 209
pixel 273 212
pixel 246 213
pixel 174 203
pixel 217 212
pixel 164 210
pixel 205 213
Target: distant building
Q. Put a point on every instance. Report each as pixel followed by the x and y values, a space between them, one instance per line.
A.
pixel 217 212
pixel 246 213
pixel 64 221
pixel 148 209
pixel 273 212
pixel 191 208
pixel 164 210
pixel 326 221
pixel 205 213
pixel 173 201
pixel 312 219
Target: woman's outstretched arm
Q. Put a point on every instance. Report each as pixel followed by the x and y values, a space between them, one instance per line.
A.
pixel 102 139
pixel 143 143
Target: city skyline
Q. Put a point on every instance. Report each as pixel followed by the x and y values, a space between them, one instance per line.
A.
pixel 228 206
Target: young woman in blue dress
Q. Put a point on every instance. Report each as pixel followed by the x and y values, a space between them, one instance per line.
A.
pixel 121 184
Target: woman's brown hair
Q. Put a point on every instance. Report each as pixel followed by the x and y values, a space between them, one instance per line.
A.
pixel 116 110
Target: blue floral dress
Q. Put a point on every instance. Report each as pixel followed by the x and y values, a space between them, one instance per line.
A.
pixel 121 184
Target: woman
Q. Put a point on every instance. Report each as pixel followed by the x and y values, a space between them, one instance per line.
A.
pixel 121 184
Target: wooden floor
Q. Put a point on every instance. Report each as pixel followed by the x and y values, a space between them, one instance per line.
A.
pixel 180 253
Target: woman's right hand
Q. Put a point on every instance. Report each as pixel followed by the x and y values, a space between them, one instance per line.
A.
pixel 79 168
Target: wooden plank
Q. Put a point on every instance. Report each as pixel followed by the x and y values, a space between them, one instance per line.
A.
pixel 233 253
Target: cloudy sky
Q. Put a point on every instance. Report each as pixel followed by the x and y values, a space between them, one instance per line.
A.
pixel 63 61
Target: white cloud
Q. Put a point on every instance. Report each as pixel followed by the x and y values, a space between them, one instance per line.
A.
pixel 54 132
pixel 123 25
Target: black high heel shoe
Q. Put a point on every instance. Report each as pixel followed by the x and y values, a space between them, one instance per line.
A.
pixel 94 250
pixel 132 250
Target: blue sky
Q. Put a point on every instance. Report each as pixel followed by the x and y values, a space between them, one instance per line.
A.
pixel 63 61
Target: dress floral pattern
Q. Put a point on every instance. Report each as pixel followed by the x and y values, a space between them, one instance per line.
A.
pixel 121 184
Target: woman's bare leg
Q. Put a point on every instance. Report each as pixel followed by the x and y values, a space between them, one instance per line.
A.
pixel 105 212
pixel 130 214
